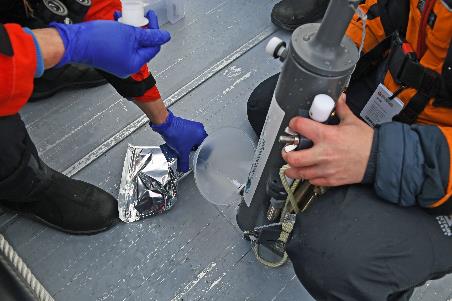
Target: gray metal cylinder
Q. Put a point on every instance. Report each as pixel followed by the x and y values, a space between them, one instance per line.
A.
pixel 320 60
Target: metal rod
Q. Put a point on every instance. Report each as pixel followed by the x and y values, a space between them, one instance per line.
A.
pixel 334 23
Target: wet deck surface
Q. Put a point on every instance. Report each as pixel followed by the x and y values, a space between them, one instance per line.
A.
pixel 195 251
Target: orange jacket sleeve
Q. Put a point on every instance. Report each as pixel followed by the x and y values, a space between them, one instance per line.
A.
pixel 17 69
pixel 445 201
pixel 374 29
pixel 104 10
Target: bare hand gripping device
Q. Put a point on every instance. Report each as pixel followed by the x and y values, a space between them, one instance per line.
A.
pixel 318 60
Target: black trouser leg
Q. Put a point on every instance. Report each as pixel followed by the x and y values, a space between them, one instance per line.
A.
pixel 18 159
pixel 351 245
pixel 28 186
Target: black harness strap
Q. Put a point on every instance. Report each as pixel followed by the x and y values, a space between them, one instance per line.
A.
pixel 444 99
pixel 412 110
pixel 371 59
pixel 373 12
pixel 384 17
pixel 408 72
pixel 394 16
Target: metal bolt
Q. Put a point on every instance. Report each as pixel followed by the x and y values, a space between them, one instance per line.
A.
pixel 289 139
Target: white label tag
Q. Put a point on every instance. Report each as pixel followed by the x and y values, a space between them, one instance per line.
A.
pixel 270 130
pixel 380 108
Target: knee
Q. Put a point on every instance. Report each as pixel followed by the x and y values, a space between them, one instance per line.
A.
pixel 328 266
pixel 259 103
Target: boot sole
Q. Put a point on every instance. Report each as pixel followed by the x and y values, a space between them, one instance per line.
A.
pixel 72 232
pixel 292 27
pixel 288 27
pixel 53 226
pixel 42 95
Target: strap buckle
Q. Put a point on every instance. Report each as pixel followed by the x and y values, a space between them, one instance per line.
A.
pixel 401 58
pixel 408 72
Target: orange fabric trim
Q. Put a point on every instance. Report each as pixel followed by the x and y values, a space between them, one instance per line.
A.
pixel 442 201
pixel 17 72
pixel 152 94
pixel 374 29
pixel 102 10
pixel 447 132
pixel 142 74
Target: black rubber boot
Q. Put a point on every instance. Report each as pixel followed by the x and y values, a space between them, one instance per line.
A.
pixel 65 204
pixel 67 77
pixel 289 14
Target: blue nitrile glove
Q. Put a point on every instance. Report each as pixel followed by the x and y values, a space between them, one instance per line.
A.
pixel 110 46
pixel 183 136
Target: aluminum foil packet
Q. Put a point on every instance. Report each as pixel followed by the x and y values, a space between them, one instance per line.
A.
pixel 149 182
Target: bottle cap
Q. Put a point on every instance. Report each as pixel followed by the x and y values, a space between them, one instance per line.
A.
pixel 274 47
pixel 321 108
pixel 133 14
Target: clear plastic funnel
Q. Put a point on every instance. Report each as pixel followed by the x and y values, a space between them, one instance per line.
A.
pixel 221 165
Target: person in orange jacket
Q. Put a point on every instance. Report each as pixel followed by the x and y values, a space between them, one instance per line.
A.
pixel 385 226
pixel 120 52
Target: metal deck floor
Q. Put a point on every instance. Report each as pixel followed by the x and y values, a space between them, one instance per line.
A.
pixel 195 251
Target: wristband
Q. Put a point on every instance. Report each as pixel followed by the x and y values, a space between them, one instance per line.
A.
pixel 371 169
pixel 128 87
pixel 39 59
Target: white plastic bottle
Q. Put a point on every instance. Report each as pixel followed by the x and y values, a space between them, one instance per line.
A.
pixel 133 13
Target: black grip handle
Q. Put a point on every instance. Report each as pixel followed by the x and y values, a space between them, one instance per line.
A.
pixel 304 143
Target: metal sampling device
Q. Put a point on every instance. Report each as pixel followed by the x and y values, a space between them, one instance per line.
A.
pixel 318 60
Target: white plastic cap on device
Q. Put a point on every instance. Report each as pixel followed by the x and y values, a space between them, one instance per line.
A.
pixel 321 108
pixel 272 45
pixel 133 13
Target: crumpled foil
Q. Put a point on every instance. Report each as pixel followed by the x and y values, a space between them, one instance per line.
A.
pixel 149 182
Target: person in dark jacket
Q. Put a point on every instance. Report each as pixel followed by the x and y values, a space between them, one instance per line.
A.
pixel 385 226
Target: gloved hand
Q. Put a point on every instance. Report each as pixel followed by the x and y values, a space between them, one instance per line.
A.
pixel 110 46
pixel 182 136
